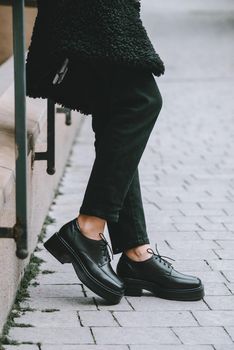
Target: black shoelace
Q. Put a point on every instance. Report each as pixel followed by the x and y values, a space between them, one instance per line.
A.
pixel 160 257
pixel 106 245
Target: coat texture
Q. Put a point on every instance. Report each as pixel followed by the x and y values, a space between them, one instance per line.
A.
pixel 89 33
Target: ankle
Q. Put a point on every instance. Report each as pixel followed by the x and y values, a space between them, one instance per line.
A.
pixel 91 226
pixel 139 253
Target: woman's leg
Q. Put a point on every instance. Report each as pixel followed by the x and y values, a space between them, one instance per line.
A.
pixel 113 195
pixel 134 105
pixel 130 231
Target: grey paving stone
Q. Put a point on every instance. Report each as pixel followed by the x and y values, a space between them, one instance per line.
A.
pixel 229 275
pixel 58 291
pixel 66 199
pixel 224 253
pixel 161 226
pixel 52 335
pixel 226 219
pixel 221 205
pixel 188 254
pixel 171 347
pixel 50 318
pixel 58 278
pixel 174 236
pixel 220 302
pixel 222 264
pixel 223 235
pixel 97 319
pixel 229 209
pixel 213 226
pixel 87 347
pixel 229 225
pixel 230 286
pixel 186 227
pixel 177 205
pixel 21 347
pixel 150 303
pixel 65 304
pixel 230 331
pixel 226 244
pixel 153 210
pixel 129 335
pixel 202 335
pixel 52 265
pixel 224 347
pixel 198 219
pixel 216 288
pixel 155 319
pixel 211 213
pixel 215 318
pixel 197 244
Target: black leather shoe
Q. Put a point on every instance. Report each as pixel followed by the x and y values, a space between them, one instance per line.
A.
pixel 90 259
pixel 159 277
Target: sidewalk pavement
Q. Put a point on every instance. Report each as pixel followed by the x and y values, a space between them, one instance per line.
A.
pixel 187 176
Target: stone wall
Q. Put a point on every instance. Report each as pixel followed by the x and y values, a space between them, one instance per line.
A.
pixel 6 29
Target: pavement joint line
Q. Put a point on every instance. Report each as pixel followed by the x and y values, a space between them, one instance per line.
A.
pixel 129 303
pixel 191 312
pixel 79 319
pixel 92 334
pixel 223 274
pixel 115 319
pixel 177 336
pixel 225 330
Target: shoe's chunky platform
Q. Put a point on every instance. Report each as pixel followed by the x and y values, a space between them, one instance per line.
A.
pixel 90 259
pixel 159 277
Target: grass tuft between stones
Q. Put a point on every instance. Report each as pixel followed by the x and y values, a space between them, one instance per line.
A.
pixel 50 310
pixel 46 272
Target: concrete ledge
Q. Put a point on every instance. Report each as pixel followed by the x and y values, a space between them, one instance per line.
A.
pixel 36 117
pixel 39 197
pixel 6 73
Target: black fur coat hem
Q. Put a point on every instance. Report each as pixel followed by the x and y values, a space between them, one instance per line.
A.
pixel 88 33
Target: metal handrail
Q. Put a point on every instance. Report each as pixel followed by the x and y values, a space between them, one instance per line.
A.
pixel 20 230
pixel 21 141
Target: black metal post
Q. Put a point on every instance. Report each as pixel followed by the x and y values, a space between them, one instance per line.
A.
pixel 49 155
pixel 67 112
pixel 21 227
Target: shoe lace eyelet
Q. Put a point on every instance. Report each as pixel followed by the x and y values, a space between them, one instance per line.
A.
pixel 160 257
pixel 106 244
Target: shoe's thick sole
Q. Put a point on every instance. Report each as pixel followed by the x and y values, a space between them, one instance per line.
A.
pixel 135 287
pixel 61 250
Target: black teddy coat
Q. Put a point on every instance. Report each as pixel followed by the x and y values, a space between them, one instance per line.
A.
pixel 87 32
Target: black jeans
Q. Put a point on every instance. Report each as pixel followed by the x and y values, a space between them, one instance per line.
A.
pixel 127 107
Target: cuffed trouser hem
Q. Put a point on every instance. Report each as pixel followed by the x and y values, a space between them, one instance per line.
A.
pixel 130 245
pixel 113 217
